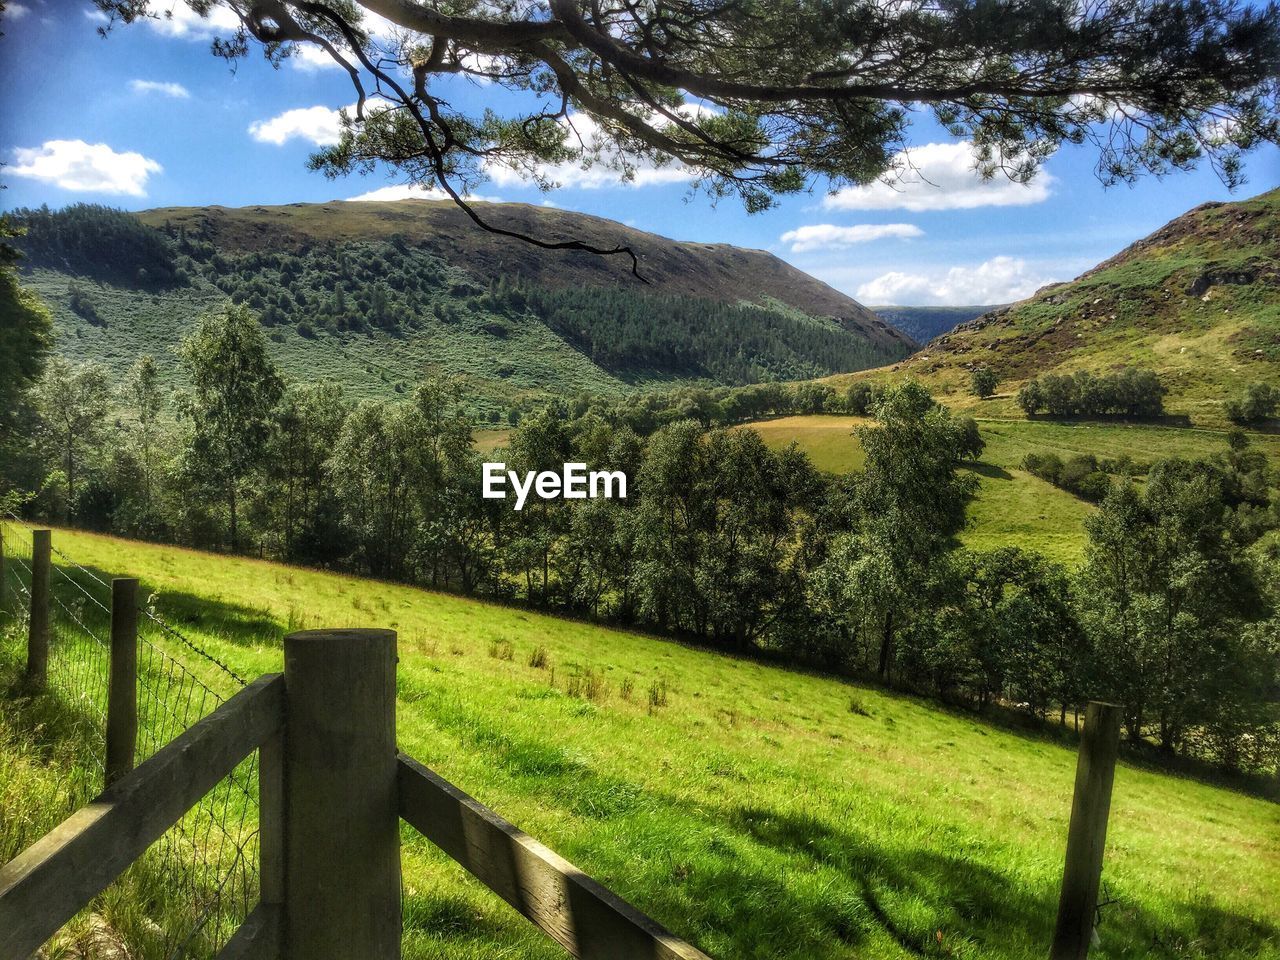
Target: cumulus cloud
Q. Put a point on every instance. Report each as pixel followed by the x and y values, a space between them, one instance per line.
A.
pixel 16 11
pixel 321 125
pixel 175 90
pixel 404 191
pixel 827 236
pixel 603 173
pixel 940 176
pixel 998 280
pixel 309 58
pixel 176 19
pixel 85 167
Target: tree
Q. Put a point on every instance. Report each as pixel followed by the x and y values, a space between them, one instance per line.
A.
pixel 1168 602
pixel 1031 397
pixel 234 389
pixel 1259 402
pixel 908 503
pixel 375 475
pixel 757 105
pixel 73 407
pixel 983 381
pixel 540 443
pixel 308 423
pixel 26 334
pixel 142 396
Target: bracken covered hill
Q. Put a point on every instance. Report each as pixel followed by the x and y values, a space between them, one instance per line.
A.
pixel 714 271
pixel 377 295
pixel 1198 301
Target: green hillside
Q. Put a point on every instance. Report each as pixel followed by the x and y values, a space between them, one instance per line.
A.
pixel 379 295
pixel 1012 507
pixel 1198 302
pixel 759 813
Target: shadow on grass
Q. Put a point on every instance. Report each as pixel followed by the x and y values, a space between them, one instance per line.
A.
pixel 984 908
pixel 989 470
pixel 754 881
pixel 85 592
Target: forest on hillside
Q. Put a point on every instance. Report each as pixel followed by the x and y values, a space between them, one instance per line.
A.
pixel 396 288
pixel 1175 611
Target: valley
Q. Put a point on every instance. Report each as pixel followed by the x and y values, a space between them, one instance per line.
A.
pixel 687 679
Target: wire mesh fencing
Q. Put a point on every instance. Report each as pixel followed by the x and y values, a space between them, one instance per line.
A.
pixel 199 881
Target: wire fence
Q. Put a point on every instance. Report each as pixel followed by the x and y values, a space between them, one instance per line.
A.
pixel 199 881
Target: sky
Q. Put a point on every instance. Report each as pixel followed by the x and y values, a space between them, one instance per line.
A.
pixel 147 117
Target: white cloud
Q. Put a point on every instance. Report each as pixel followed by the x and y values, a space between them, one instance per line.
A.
pixel 175 90
pixel 80 166
pixel 603 173
pixel 16 11
pixel 309 58
pixel 998 280
pixel 940 176
pixel 404 191
pixel 825 236
pixel 321 125
pixel 175 19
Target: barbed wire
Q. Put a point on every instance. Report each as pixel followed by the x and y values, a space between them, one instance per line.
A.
pixel 192 645
pixel 147 611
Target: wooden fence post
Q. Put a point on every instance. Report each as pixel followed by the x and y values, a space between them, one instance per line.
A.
pixel 341 812
pixel 122 688
pixel 38 634
pixel 4 576
pixel 1087 835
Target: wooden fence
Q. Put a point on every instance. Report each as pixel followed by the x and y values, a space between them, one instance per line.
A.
pixel 332 791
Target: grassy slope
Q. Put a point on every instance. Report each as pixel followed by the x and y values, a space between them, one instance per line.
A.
pixel 1138 308
pixel 757 814
pixel 1012 507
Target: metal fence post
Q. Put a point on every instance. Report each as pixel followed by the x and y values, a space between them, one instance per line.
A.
pixel 38 634
pixel 1087 835
pixel 122 688
pixel 342 824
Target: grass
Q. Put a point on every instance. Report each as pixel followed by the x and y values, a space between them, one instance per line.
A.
pixel 751 809
pixel 1141 308
pixel 1012 507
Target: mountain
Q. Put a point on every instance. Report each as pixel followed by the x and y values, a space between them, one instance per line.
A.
pixel 1198 302
pixel 378 294
pixel 922 324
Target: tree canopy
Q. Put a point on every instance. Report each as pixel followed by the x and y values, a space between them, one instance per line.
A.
pixel 756 102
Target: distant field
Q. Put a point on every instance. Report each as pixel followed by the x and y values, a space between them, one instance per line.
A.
pixel 1012 507
pixel 761 813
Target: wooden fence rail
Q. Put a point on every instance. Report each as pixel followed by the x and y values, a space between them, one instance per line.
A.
pixel 332 791
pixel 49 882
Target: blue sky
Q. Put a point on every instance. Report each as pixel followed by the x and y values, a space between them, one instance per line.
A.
pixel 149 118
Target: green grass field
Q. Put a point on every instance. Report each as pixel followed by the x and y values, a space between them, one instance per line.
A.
pixel 761 813
pixel 1012 507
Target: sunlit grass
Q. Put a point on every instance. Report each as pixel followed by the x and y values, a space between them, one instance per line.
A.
pixel 756 814
pixel 1012 507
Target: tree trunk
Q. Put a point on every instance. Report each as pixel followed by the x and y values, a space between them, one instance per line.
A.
pixel 231 492
pixel 886 647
